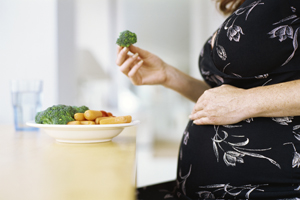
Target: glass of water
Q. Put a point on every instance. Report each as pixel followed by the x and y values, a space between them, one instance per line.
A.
pixel 26 101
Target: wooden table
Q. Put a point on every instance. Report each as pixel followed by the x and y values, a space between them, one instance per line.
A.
pixel 33 166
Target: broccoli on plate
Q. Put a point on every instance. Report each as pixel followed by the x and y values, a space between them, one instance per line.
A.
pixel 58 114
pixel 126 38
pixel 80 109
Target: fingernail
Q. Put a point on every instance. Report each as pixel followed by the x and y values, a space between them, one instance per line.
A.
pixel 135 55
pixel 125 49
pixel 197 122
pixel 141 62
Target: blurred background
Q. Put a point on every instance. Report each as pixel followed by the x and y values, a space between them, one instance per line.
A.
pixel 70 45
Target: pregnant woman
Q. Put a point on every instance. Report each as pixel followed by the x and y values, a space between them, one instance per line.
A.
pixel 243 137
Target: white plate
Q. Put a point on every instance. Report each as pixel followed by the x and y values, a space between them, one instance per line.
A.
pixel 83 133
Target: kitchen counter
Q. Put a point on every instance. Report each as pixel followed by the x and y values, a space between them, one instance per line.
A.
pixel 33 166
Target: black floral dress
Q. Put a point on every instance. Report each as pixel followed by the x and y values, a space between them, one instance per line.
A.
pixel 258 158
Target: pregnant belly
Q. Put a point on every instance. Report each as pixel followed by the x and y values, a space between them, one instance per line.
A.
pixel 259 151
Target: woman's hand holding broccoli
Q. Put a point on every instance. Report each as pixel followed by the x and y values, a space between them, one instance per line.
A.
pixel 143 67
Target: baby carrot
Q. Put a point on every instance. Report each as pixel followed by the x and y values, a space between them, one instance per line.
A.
pixel 74 123
pixel 116 120
pixel 91 115
pixel 79 117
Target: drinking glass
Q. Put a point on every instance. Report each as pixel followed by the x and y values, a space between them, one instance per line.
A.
pixel 26 101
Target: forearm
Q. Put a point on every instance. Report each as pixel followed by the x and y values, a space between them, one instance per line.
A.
pixel 276 100
pixel 184 84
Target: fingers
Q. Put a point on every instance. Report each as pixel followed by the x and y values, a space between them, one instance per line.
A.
pixel 203 121
pixel 198 106
pixel 122 55
pixel 197 115
pixel 135 68
pixel 119 49
pixel 129 64
pixel 202 118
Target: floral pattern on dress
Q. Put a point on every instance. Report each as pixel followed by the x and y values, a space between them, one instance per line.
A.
pixel 286 31
pixel 186 137
pixel 262 76
pixel 212 77
pixel 296 134
pixel 181 180
pixel 237 152
pixel 283 120
pixel 296 157
pixel 234 32
pixel 228 190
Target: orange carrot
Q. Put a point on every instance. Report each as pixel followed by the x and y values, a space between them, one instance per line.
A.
pixel 91 115
pixel 79 117
pixel 117 120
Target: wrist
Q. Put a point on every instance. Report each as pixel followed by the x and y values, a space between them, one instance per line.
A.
pixel 255 105
pixel 170 72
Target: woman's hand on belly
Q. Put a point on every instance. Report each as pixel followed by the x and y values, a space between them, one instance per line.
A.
pixel 228 104
pixel 221 105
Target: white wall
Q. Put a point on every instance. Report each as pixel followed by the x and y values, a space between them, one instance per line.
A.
pixel 27 49
pixel 92 31
pixel 66 51
pixel 96 52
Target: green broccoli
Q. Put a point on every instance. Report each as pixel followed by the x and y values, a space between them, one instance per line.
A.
pixel 57 114
pixel 80 109
pixel 126 38
pixel 38 119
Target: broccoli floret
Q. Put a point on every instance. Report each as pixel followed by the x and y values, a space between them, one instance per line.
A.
pixel 80 109
pixel 126 38
pixel 57 114
pixel 38 119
